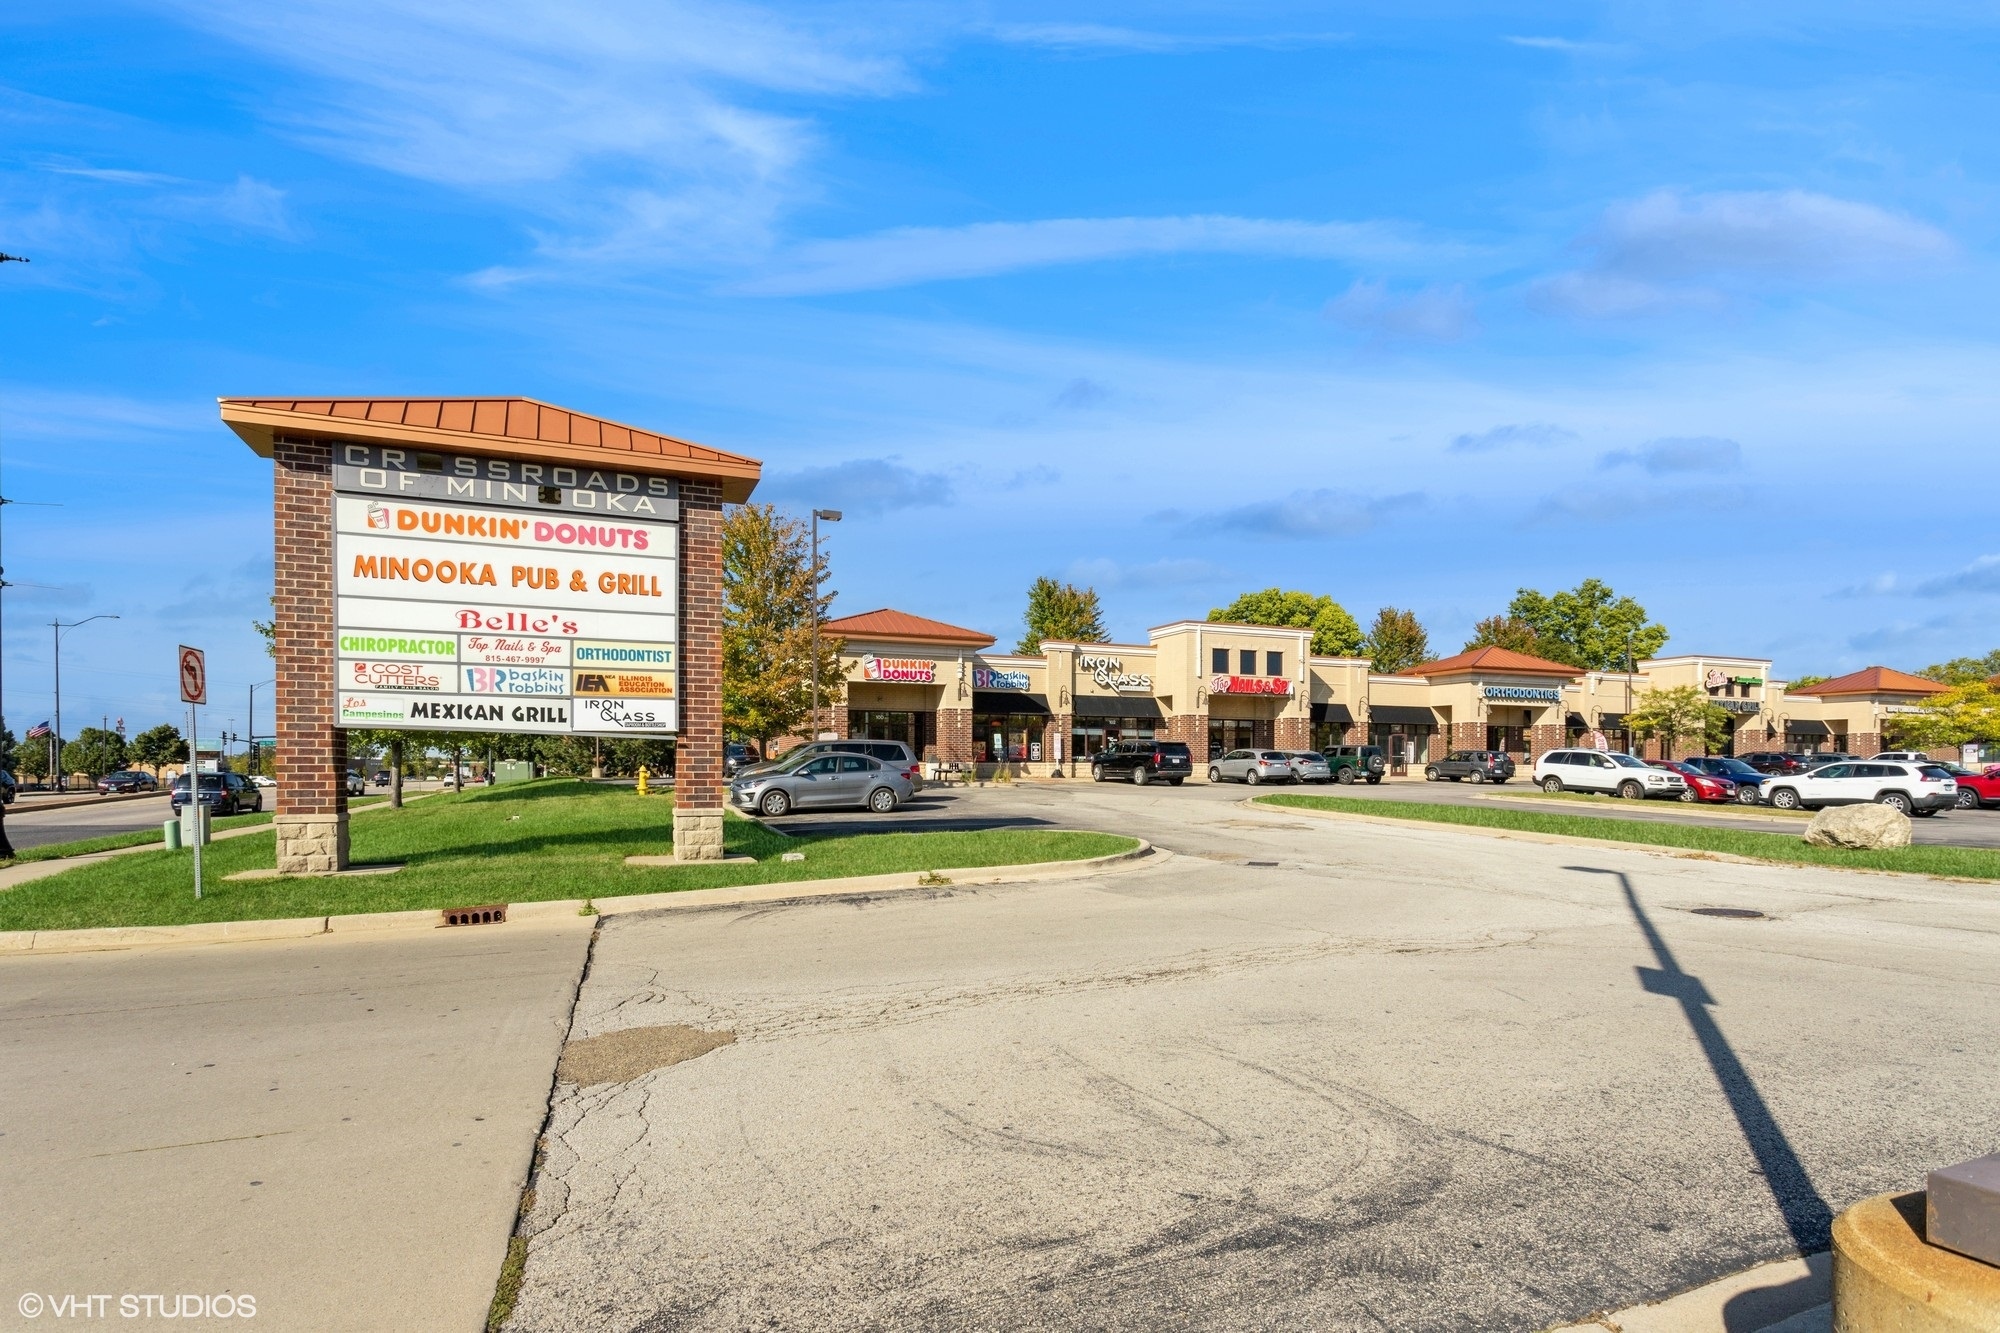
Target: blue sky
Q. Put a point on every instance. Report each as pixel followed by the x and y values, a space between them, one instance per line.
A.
pixel 1408 304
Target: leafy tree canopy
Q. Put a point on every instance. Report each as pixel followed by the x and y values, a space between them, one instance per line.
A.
pixel 95 751
pixel 1683 717
pixel 1396 641
pixel 771 596
pixel 1966 712
pixel 1963 670
pixel 1803 681
pixel 1063 612
pixel 1335 632
pixel 1505 632
pixel 157 746
pixel 1588 626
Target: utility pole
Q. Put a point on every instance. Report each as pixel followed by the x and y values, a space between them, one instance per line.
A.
pixel 831 516
pixel 55 741
pixel 6 847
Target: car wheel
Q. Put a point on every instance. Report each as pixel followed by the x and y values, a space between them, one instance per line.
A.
pixel 1748 795
pixel 1784 798
pixel 1345 777
pixel 1631 791
pixel 1097 772
pixel 881 800
pixel 775 803
pixel 1475 777
pixel 1140 776
pixel 1252 776
pixel 1895 800
pixel 1430 775
pixel 1175 782
pixel 1552 784
pixel 1968 799
pixel 1689 796
pixel 1215 775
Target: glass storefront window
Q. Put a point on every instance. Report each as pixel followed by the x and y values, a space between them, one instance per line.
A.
pixel 1089 736
pixel 916 730
pixel 1012 737
pixel 1238 733
pixel 1416 739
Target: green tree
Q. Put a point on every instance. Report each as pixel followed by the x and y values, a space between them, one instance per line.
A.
pixel 771 594
pixel 1396 641
pixel 1683 717
pixel 1505 632
pixel 269 630
pixel 1063 612
pixel 1803 681
pixel 95 751
pixel 1335 633
pixel 1966 712
pixel 31 758
pixel 1964 670
pixel 157 746
pixel 1588 626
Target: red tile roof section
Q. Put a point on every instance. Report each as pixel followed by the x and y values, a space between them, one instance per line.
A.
pixel 902 627
pixel 1493 662
pixel 1873 680
pixel 511 425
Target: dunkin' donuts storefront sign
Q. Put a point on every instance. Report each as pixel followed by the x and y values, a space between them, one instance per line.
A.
pixel 898 670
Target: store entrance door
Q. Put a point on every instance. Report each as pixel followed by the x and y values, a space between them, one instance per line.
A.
pixel 1508 740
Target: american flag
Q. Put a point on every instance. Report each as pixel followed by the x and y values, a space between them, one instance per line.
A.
pixel 38 731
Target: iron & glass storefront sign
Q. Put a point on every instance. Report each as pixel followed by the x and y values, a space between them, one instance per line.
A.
pixel 457 616
pixel 1110 673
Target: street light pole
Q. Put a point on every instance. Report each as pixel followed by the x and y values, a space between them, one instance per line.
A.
pixel 55 741
pixel 831 516
pixel 251 727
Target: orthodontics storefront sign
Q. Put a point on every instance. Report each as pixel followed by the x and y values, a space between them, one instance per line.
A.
pixel 898 670
pixel 1528 694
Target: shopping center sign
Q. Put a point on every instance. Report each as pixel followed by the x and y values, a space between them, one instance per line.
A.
pixel 1250 685
pixel 490 617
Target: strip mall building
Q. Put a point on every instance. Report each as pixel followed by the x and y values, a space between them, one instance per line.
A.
pixel 943 690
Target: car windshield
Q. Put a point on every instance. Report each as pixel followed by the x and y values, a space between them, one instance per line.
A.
pixel 1627 761
pixel 1934 771
pixel 1735 768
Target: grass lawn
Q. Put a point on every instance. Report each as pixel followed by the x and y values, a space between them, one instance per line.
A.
pixel 1591 798
pixel 1962 862
pixel 139 837
pixel 521 843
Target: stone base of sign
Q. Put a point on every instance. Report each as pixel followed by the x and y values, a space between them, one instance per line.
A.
pixel 1888 1279
pixel 697 835
pixel 352 872
pixel 311 844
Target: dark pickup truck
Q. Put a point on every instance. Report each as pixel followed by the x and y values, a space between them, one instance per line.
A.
pixel 1470 766
pixel 1140 762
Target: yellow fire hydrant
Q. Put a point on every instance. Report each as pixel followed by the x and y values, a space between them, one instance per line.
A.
pixel 642 780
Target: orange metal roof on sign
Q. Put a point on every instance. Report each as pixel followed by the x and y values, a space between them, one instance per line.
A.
pixel 1873 680
pixel 902 627
pixel 507 427
pixel 1492 661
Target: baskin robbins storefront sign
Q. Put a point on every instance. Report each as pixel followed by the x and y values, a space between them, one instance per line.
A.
pixel 898 670
pixel 986 678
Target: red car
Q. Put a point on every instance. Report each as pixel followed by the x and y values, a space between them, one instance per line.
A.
pixel 1700 786
pixel 1976 790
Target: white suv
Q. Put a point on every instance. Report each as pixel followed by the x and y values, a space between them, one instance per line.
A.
pixel 1915 789
pixel 1614 774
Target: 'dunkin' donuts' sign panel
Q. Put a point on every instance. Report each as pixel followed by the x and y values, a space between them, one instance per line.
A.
pixel 505 617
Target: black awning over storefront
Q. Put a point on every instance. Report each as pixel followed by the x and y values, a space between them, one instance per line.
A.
pixel 1807 727
pixel 1401 715
pixel 1100 705
pixel 1612 720
pixel 1332 713
pixel 1576 720
pixel 1009 701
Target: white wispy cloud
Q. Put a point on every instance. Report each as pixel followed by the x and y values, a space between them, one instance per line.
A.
pixel 1310 515
pixel 1442 314
pixel 1566 45
pixel 1981 576
pixel 1679 454
pixel 1674 250
pixel 907 255
pixel 1100 37
pixel 1535 434
pixel 859 486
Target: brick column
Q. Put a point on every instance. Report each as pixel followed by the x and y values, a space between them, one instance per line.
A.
pixel 698 782
pixel 1468 736
pixel 1542 739
pixel 311 815
pixel 1292 733
pixel 1191 728
pixel 954 735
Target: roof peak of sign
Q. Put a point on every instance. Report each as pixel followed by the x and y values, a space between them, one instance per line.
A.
pixel 1493 659
pixel 510 427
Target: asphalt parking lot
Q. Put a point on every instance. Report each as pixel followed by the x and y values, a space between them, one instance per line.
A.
pixel 1302 1074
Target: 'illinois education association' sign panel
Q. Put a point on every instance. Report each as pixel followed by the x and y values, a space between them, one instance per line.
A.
pixel 505 617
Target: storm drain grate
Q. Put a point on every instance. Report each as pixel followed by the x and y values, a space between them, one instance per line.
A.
pixel 1733 913
pixel 1271 865
pixel 475 916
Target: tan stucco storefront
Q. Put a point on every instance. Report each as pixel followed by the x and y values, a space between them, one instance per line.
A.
pixel 943 689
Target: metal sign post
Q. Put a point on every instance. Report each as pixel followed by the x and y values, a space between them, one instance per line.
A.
pixel 194 691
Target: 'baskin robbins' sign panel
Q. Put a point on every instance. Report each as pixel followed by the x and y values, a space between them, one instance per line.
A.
pixel 551 605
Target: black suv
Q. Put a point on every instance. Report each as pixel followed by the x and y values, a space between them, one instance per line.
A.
pixel 1349 762
pixel 1139 762
pixel 1470 766
pixel 222 793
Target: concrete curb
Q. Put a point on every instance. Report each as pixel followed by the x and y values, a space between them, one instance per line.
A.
pixel 1784 1296
pixel 1566 840
pixel 36 804
pixel 20 942
pixel 1715 810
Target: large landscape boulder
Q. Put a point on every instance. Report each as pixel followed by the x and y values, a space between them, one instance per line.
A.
pixel 1863 826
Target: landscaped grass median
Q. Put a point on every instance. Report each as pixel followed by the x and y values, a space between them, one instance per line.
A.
pixel 139 837
pixel 1961 862
pixel 522 843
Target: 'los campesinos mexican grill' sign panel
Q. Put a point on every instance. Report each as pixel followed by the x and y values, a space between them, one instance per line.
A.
pixel 465 617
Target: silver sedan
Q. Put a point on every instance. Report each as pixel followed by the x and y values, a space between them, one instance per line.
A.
pixel 823 782
pixel 1310 766
pixel 1253 767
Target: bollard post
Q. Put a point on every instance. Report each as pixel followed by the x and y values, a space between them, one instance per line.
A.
pixel 172 830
